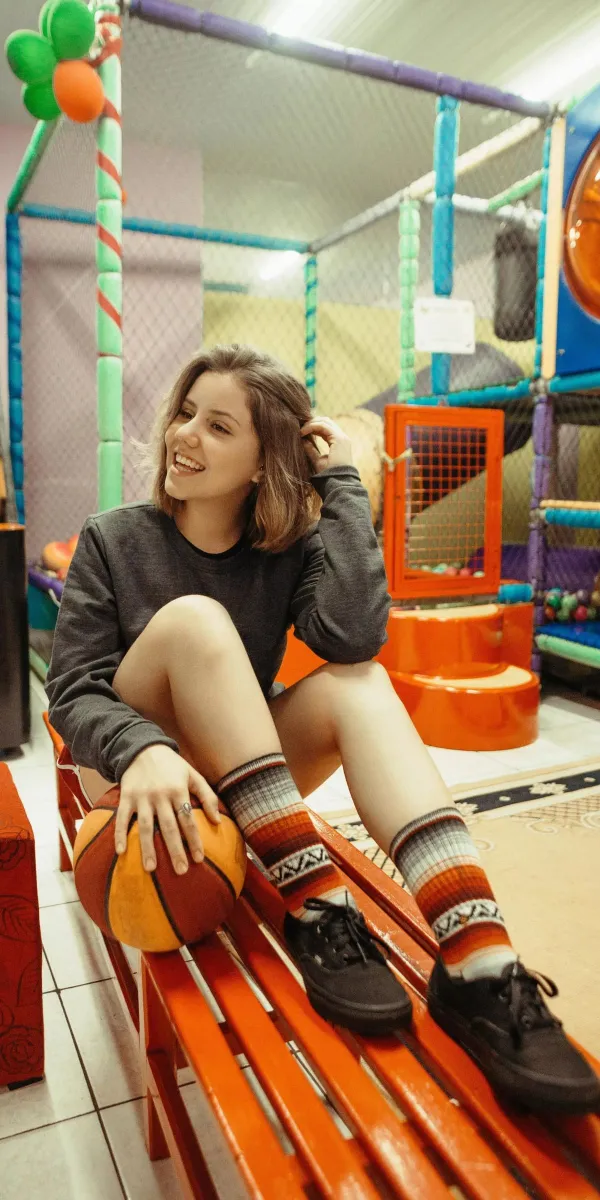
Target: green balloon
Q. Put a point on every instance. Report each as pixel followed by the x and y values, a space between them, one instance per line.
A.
pixel 30 56
pixel 43 19
pixel 71 28
pixel 40 101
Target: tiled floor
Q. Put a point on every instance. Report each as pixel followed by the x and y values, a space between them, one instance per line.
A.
pixel 78 1135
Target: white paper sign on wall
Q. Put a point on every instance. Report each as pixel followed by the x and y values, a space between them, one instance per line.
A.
pixel 444 326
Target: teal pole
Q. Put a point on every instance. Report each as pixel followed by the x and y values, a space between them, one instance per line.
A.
pixel 310 327
pixel 409 229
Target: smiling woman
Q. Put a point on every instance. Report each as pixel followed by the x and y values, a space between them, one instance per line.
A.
pixel 171 632
pixel 235 416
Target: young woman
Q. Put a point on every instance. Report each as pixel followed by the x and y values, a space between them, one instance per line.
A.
pixel 171 631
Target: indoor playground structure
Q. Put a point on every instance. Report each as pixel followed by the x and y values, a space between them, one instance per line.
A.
pixel 168 222
pixel 423 251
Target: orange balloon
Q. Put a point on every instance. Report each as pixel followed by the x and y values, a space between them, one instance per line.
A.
pixel 78 90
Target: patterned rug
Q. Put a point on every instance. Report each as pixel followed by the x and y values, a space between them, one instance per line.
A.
pixel 515 795
pixel 539 840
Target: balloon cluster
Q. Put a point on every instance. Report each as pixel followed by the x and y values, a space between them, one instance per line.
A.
pixel 560 605
pixel 51 64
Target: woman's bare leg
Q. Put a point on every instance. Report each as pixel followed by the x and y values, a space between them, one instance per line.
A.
pixel 351 715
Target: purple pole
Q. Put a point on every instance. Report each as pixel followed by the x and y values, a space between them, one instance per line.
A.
pixel 540 490
pixel 340 58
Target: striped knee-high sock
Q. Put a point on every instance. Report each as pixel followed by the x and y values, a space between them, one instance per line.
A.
pixel 266 805
pixel 440 863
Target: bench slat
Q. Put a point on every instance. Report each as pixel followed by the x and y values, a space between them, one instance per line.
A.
pixel 265 1168
pixel 450 1130
pixel 332 1161
pixel 532 1149
pixel 390 1143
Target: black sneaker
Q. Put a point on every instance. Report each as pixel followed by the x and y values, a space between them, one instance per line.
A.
pixel 346 976
pixel 506 1027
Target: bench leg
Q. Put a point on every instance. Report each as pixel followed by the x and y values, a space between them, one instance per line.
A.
pixel 156 1142
pixel 65 863
pixel 156 1035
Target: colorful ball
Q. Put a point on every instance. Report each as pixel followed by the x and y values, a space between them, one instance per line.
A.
pixel 569 602
pixel 30 56
pixel 563 614
pixel 592 613
pixel 78 90
pixel 159 910
pixel 40 101
pixel 464 571
pixel 549 613
pixel 581 613
pixel 71 28
pixel 553 599
pixel 596 599
pixel 451 571
pixel 583 597
pixel 478 574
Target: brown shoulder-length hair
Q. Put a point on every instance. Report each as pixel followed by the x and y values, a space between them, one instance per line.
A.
pixel 284 504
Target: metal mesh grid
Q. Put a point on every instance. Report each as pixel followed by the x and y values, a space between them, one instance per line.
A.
pixel 573 555
pixel 59 380
pixel 220 136
pixel 443 462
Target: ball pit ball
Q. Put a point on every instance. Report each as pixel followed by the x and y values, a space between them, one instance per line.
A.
pixel 466 572
pixel 451 571
pixel 560 605
pixel 478 574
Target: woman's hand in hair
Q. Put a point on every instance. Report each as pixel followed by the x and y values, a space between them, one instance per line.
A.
pixel 156 785
pixel 338 443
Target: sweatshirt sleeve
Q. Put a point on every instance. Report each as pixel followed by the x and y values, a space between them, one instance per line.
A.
pixel 341 605
pixel 99 729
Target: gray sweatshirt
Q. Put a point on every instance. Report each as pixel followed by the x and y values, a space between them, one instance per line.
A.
pixel 129 562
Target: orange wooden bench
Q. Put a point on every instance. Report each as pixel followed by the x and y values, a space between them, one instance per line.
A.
pixel 418 1120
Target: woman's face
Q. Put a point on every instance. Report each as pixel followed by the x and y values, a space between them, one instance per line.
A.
pixel 212 448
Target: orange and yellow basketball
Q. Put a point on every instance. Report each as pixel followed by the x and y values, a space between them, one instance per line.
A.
pixel 160 910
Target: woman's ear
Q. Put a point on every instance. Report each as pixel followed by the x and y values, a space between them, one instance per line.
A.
pixel 257 477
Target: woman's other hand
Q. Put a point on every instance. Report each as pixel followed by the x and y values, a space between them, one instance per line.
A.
pixel 339 444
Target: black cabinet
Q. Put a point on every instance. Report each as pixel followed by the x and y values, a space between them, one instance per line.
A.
pixel 14 655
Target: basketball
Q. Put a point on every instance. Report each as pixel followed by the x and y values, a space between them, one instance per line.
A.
pixel 159 910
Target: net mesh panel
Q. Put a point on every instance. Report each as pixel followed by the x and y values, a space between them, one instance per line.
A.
pixel 445 462
pixel 498 359
pixel 573 555
pixel 224 137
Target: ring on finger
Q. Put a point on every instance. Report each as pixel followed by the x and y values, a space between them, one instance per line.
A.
pixel 185 808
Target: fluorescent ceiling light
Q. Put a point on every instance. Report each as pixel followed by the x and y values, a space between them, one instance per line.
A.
pixel 295 18
pixel 564 70
pixel 280 262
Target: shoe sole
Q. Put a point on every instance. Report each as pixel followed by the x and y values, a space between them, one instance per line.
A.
pixel 510 1084
pixel 368 1024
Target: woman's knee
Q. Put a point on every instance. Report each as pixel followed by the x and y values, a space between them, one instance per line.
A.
pixel 364 674
pixel 196 624
pixel 349 684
